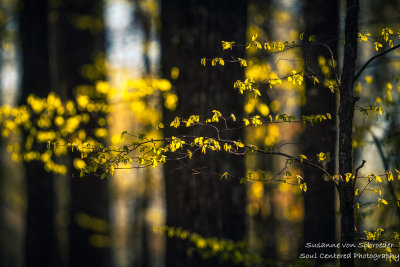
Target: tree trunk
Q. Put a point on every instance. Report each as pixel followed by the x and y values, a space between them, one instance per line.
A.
pixel 74 45
pixel 263 226
pixel 203 203
pixel 346 113
pixel 321 19
pixel 40 244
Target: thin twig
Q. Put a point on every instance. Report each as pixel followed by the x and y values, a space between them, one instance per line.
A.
pixel 372 59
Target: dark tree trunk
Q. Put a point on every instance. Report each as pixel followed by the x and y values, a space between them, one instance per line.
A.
pixel 203 203
pixel 40 244
pixel 346 113
pixel 73 47
pixel 321 19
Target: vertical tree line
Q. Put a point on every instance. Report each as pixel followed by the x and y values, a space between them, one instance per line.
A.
pixel 321 19
pixel 346 114
pixel 40 242
pixel 56 38
pixel 202 203
pixel 88 195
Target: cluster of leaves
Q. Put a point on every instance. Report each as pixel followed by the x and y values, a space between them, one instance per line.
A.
pixel 376 239
pixel 228 250
pixel 386 35
pixel 52 128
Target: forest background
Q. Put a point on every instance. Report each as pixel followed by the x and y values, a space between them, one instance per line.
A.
pixel 126 73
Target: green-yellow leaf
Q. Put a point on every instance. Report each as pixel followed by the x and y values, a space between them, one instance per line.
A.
pixel 175 123
pixel 378 45
pixel 227 45
pixel 302 157
pixel 389 176
pixel 383 201
pixel 243 62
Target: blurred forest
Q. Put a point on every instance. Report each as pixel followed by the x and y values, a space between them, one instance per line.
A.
pixel 112 72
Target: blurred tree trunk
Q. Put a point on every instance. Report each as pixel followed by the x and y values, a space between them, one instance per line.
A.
pixel 322 20
pixel 40 244
pixel 140 227
pixel 79 40
pixel 264 223
pixel 203 203
pixel 346 115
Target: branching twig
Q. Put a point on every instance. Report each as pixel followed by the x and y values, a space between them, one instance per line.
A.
pixel 372 59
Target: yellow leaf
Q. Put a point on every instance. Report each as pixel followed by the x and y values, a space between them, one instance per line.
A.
pixel 79 164
pixel 224 176
pixel 263 109
pixel 227 147
pixel 254 37
pixel 368 79
pixel 378 45
pixel 267 46
pixel 256 120
pixel 243 62
pixel 215 61
pixel 175 123
pixel 303 187
pixel 396 235
pixel 203 61
pixel 348 176
pixel 227 45
pixel 239 144
pixel 389 176
pixel 302 157
pixel 321 156
pixel 383 201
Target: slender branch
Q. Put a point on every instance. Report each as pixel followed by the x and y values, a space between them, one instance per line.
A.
pixel 386 166
pixel 372 59
pixel 305 161
pixel 332 67
pixel 359 167
pixel 356 173
pixel 362 191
